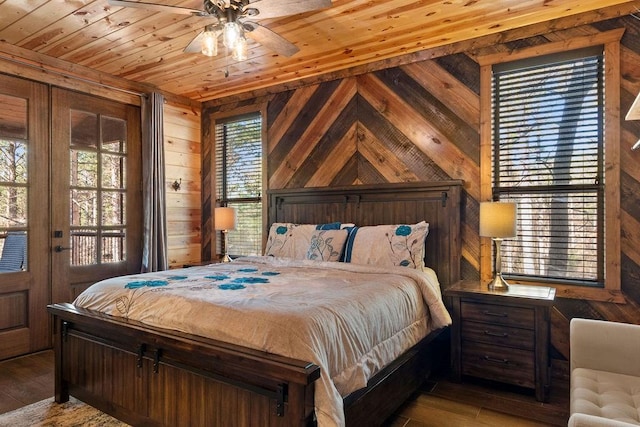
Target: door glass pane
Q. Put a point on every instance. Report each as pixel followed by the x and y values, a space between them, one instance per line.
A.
pixel 13 207
pixel 114 133
pixel 113 171
pixel 113 208
pixel 113 245
pixel 84 243
pixel 13 158
pixel 84 129
pixel 13 119
pixel 84 169
pixel 14 187
pixel 84 208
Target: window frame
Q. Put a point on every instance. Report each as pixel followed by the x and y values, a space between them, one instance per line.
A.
pixel 216 118
pixel 610 40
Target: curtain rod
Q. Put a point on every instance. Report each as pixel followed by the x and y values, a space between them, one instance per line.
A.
pixel 78 78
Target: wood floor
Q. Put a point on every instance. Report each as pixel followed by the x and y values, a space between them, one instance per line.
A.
pixel 481 403
pixel 25 380
pixel 28 379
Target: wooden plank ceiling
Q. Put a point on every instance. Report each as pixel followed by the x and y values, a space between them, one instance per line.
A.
pixel 147 47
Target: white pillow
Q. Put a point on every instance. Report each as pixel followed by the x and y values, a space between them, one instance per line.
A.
pixel 327 245
pixel 388 245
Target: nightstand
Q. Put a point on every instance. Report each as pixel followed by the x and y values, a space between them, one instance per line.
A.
pixel 502 336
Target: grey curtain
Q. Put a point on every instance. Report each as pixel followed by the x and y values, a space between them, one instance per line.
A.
pixel 154 251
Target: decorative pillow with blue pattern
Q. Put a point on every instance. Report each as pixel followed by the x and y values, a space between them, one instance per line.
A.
pixel 387 245
pixel 288 240
pixel 327 245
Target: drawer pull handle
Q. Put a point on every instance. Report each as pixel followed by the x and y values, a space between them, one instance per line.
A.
pixel 496 360
pixel 496 334
pixel 491 313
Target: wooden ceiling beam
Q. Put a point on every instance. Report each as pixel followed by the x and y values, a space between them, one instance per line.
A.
pixel 40 67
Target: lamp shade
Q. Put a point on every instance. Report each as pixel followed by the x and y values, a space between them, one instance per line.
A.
pixel 224 218
pixel 498 219
pixel 634 111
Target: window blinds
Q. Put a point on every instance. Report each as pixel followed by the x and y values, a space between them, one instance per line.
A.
pixel 239 179
pixel 548 157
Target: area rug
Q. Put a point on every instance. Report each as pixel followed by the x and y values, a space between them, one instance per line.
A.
pixel 48 413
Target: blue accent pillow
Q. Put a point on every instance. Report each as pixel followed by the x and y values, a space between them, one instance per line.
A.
pixel 348 246
pixel 328 226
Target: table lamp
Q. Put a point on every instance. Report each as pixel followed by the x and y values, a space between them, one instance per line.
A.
pixel 498 221
pixel 225 220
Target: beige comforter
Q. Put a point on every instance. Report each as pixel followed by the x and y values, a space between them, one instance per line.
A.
pixel 350 320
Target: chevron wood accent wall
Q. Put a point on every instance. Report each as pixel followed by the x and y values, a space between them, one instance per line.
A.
pixel 420 122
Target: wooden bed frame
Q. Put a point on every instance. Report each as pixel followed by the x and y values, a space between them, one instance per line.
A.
pixel 152 376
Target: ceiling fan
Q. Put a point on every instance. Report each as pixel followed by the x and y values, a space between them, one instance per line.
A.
pixel 235 19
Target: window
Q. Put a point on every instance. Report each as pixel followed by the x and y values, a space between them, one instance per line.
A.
pixel 548 157
pixel 238 150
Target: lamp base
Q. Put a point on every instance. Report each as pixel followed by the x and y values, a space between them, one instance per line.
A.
pixel 226 258
pixel 498 283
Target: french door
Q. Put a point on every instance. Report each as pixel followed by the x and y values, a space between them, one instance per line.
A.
pixel 70 202
pixel 24 210
pixel 96 205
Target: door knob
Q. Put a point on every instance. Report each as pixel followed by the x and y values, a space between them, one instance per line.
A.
pixel 61 248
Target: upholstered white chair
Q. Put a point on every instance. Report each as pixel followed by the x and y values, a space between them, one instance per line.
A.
pixel 605 373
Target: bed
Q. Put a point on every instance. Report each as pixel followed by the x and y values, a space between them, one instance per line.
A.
pixel 147 374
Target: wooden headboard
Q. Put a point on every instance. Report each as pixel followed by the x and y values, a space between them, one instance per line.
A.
pixel 438 203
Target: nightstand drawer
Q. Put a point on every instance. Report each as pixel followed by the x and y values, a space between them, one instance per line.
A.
pixel 520 317
pixel 498 335
pixel 492 362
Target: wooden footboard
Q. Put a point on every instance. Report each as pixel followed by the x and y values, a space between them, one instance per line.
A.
pixel 149 376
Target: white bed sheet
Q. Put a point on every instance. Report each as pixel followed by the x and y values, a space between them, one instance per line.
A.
pixel 351 320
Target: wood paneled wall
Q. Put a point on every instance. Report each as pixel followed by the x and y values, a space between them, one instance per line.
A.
pixel 182 160
pixel 421 122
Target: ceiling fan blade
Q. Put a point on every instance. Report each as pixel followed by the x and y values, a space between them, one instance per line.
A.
pixel 271 40
pixel 277 8
pixel 158 7
pixel 195 45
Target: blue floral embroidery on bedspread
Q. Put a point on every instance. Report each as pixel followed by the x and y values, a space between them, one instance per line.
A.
pixel 250 280
pixel 217 277
pixel 231 286
pixel 123 303
pixel 145 283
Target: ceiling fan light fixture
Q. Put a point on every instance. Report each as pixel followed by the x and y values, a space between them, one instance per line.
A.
pixel 209 44
pixel 241 50
pixel 231 34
